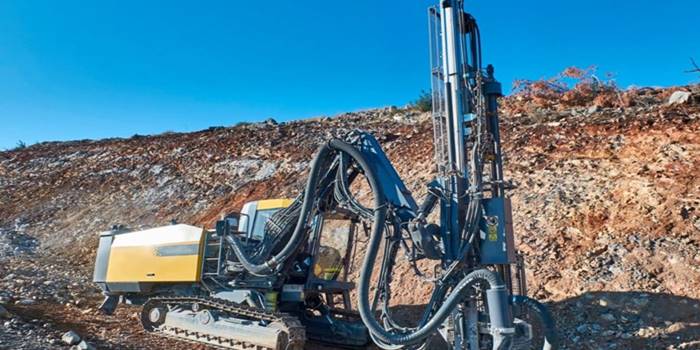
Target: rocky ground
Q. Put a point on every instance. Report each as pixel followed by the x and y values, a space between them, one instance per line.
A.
pixel 607 212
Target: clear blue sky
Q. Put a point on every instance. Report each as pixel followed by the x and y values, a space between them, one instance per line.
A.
pixel 92 69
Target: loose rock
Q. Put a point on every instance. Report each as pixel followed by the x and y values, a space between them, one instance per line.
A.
pixel 71 338
pixel 83 345
pixel 4 313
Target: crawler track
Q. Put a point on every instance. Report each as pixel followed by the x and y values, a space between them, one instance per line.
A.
pixel 295 334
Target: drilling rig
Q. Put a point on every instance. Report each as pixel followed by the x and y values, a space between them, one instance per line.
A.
pixel 277 278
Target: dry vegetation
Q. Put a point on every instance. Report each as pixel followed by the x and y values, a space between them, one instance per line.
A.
pixel 578 87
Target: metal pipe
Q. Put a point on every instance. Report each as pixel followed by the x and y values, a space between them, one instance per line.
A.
pixel 493 92
pixel 453 78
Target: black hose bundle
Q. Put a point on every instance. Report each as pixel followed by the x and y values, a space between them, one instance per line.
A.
pixel 323 163
pixel 278 230
pixel 269 267
pixel 342 195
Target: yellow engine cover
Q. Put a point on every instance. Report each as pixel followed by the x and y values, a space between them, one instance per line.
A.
pixel 163 254
pixel 274 203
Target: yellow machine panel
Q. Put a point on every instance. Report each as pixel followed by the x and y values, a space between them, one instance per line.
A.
pixel 274 203
pixel 163 254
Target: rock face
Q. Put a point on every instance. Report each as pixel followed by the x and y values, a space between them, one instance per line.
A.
pixel 607 211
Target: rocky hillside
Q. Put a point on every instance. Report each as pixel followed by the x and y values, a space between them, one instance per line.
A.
pixel 607 210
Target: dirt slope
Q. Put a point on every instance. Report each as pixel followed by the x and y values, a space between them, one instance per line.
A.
pixel 607 212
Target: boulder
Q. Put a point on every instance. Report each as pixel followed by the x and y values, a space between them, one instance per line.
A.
pixel 71 338
pixel 83 345
pixel 593 109
pixel 4 313
pixel 680 98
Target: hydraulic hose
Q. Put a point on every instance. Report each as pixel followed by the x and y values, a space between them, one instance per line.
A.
pixel 342 193
pixel 497 293
pixel 269 267
pixel 455 297
pixel 551 341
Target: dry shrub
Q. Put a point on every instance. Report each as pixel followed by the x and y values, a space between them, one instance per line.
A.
pixel 630 97
pixel 574 87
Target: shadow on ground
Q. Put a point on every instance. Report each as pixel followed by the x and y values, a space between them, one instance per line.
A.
pixel 597 320
pixel 616 320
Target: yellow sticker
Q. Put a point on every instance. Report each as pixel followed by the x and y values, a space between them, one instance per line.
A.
pixel 493 232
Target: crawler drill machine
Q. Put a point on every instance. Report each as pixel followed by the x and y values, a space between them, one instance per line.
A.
pixel 276 274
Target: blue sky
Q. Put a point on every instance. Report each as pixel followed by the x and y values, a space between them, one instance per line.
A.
pixel 82 69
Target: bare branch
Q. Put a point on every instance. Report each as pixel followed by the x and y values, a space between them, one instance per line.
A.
pixel 697 68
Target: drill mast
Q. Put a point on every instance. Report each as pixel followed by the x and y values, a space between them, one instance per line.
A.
pixel 465 120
